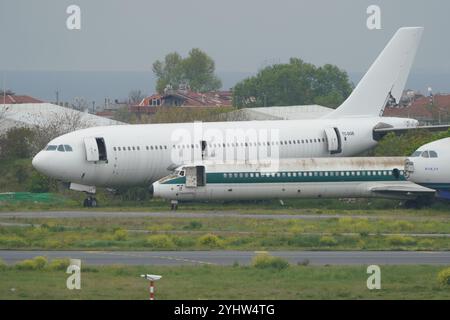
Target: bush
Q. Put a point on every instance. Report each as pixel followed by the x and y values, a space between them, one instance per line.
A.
pixel 443 277
pixel 120 235
pixel 210 240
pixel 38 263
pixel 265 261
pixel 193 225
pixel 59 264
pixel 160 241
pixel 328 241
pixel 39 183
pixel 398 240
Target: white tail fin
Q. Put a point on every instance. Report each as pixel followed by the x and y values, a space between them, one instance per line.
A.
pixel 387 76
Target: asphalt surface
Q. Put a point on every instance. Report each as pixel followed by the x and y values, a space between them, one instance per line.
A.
pixel 230 257
pixel 181 214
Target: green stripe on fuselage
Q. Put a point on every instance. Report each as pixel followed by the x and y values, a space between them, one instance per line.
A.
pixel 294 176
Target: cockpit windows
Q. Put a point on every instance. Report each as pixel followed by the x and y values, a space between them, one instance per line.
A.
pixel 425 154
pixel 433 154
pixel 60 148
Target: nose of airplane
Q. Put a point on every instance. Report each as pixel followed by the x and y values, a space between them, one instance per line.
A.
pixel 38 162
pixel 156 190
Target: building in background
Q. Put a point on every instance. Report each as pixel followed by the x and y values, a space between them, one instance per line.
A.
pixel 431 109
pixel 183 98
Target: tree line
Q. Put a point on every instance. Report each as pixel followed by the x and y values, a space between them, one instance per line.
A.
pixel 283 84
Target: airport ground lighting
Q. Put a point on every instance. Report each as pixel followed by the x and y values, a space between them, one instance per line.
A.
pixel 152 278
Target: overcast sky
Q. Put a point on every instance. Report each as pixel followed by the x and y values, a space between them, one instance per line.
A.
pixel 240 35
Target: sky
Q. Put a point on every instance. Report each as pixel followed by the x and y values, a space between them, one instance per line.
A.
pixel 242 36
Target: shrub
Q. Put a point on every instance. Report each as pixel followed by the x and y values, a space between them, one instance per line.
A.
pixel 328 241
pixel 398 240
pixel 194 225
pixel 265 261
pixel 39 183
pixel 160 241
pixel 59 264
pixel 120 235
pixel 52 244
pixel 402 226
pixel 38 263
pixel 443 277
pixel 210 240
pixel 183 242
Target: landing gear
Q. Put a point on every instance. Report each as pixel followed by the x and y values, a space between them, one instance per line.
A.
pixel 173 205
pixel 90 202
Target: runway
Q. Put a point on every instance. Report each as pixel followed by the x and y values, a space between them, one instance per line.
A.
pixel 230 257
pixel 192 215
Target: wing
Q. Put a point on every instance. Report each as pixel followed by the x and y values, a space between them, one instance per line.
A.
pixel 403 189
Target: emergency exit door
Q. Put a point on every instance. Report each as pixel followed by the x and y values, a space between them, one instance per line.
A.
pixel 334 140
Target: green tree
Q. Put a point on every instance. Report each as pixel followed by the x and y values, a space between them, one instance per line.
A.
pixel 293 83
pixel 196 70
pixel 169 72
pixel 16 143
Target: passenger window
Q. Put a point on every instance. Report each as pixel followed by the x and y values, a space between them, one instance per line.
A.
pixel 433 154
pixel 61 148
pixel 67 148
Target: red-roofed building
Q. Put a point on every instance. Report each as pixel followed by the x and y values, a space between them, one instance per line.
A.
pixel 184 98
pixel 428 110
pixel 14 99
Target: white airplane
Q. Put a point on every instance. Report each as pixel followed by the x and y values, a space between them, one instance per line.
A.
pixel 357 177
pixel 419 178
pixel 129 155
pixel 429 166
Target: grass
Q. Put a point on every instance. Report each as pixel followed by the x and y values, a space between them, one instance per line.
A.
pixel 216 282
pixel 236 233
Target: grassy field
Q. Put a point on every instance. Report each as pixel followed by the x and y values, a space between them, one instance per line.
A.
pixel 380 230
pixel 214 282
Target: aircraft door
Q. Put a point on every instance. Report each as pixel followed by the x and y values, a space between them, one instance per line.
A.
pixel 95 149
pixel 91 147
pixel 334 140
pixel 195 176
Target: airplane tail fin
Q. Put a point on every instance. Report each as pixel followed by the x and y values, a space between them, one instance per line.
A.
pixel 385 79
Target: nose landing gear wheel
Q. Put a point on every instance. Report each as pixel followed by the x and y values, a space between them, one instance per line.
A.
pixel 173 205
pixel 90 202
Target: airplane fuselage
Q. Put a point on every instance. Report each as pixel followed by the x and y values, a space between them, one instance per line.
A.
pixel 129 155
